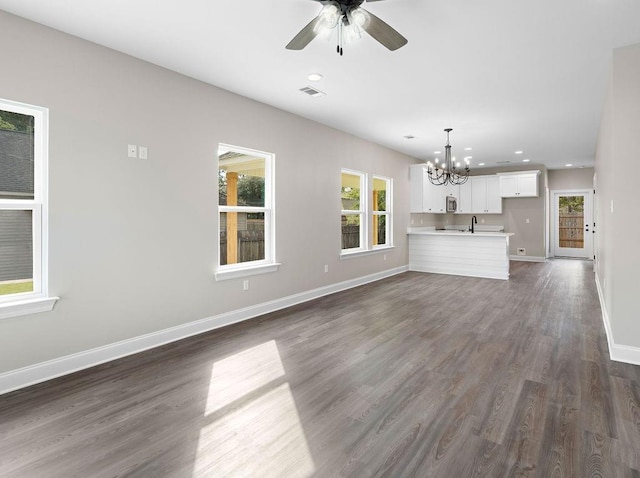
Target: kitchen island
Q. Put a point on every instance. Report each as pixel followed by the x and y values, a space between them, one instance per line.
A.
pixel 479 254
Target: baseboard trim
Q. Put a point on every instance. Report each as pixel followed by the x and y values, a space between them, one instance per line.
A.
pixel 527 258
pixel 617 353
pixel 31 375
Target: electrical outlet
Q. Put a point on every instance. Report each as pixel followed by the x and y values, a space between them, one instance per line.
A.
pixel 522 251
pixel 527 220
pixel 326 267
pixel 132 151
pixel 142 152
pixel 384 258
pixel 245 284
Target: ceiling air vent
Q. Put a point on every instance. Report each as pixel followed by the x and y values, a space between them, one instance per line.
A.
pixel 503 162
pixel 312 91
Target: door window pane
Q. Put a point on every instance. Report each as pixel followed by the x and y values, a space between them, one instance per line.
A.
pixel 571 221
pixel 16 251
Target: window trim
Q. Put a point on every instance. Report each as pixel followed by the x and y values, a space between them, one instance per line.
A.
pixel 362 212
pixel 12 305
pixel 268 264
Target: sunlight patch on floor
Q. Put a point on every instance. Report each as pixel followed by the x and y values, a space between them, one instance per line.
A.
pixel 236 376
pixel 258 435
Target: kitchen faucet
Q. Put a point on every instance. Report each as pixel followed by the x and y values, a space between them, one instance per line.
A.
pixel 473 220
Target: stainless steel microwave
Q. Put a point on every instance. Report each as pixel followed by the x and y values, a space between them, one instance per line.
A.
pixel 452 204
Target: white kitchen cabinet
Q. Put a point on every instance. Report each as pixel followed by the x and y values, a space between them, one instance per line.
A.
pixel 519 184
pixel 427 197
pixel 485 195
pixel 464 198
pixel 434 198
pixel 416 182
pixel 494 200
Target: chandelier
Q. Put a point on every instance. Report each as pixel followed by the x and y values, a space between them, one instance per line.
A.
pixel 449 171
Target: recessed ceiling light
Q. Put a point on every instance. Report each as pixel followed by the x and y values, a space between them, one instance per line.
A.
pixel 467 149
pixel 568 165
pixel 480 164
pixel 437 152
pixel 315 77
pixel 519 152
pixel 526 160
pixel 468 157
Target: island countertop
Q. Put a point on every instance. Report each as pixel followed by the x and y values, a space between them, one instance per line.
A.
pixel 442 232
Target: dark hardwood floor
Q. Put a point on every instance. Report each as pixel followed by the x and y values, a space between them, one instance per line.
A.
pixel 419 375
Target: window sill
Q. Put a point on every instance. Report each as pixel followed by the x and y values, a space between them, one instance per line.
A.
pixel 368 252
pixel 247 271
pixel 27 306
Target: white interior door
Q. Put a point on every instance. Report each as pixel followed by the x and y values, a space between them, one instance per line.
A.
pixel 573 224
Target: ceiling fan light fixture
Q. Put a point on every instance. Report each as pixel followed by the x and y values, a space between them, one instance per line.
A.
pixel 351 32
pixel 315 77
pixel 328 17
pixel 349 20
pixel 358 17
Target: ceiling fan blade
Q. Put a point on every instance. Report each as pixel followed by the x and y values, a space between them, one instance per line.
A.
pixel 382 32
pixel 304 36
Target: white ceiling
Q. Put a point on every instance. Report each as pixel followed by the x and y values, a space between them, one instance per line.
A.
pixel 506 75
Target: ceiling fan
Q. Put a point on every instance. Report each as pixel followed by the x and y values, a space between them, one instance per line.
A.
pixel 350 19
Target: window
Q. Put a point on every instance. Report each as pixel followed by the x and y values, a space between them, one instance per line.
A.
pixel 361 217
pixel 23 209
pixel 245 209
pixel 381 212
pixel 353 211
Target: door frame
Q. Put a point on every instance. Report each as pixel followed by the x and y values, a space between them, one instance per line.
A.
pixel 553 219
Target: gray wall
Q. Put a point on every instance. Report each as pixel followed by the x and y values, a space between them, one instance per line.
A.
pixel 581 178
pixel 133 242
pixel 618 228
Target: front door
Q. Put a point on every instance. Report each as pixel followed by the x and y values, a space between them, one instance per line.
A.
pixel 573 229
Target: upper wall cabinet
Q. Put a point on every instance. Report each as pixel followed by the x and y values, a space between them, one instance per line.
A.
pixel 485 195
pixel 427 197
pixel 464 199
pixel 519 184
